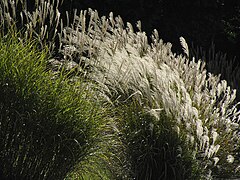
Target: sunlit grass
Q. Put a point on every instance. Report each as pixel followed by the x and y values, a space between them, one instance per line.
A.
pixel 198 106
pixel 47 125
pixel 136 110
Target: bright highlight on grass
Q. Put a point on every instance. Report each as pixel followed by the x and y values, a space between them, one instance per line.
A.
pixel 126 109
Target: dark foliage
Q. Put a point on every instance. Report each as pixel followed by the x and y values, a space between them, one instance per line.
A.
pixel 155 151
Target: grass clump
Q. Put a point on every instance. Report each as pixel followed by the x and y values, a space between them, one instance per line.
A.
pixel 155 151
pixel 198 106
pixel 170 117
pixel 47 125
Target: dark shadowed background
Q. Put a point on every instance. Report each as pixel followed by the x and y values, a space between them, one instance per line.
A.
pixel 201 21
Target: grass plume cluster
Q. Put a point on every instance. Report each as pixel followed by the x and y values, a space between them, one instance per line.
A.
pixel 219 64
pixel 36 19
pixel 199 106
pixel 139 112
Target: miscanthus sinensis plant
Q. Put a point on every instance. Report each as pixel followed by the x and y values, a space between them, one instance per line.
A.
pixel 129 68
pixel 161 88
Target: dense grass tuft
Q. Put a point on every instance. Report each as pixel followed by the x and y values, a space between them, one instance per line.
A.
pixel 111 105
pixel 198 106
pixel 155 151
pixel 47 125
